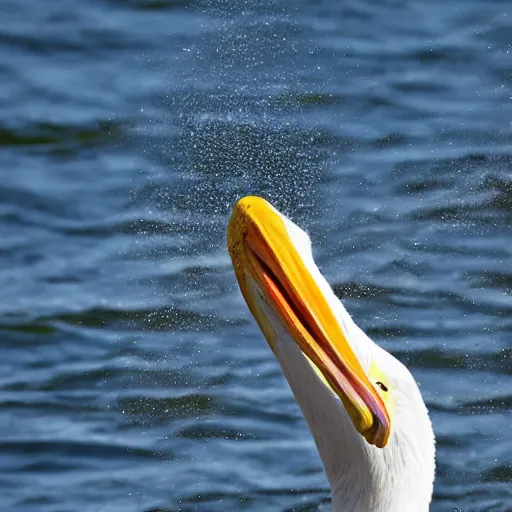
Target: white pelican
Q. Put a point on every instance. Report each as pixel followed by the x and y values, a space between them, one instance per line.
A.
pixel 362 406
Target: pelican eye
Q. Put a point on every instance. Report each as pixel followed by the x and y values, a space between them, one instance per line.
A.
pixel 382 385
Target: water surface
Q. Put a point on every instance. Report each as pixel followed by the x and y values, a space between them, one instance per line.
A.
pixel 132 376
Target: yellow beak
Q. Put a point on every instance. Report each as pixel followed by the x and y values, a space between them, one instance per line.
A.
pixel 262 250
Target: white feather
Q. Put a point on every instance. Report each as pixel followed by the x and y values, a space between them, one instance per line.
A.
pixel 363 478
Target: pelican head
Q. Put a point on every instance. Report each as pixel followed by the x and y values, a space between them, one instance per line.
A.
pixel 362 406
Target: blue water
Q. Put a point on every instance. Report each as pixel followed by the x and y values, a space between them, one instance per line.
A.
pixel 132 376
